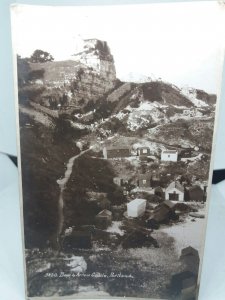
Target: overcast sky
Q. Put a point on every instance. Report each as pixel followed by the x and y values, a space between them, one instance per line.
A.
pixel 178 42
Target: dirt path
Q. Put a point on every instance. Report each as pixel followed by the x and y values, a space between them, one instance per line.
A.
pixel 62 184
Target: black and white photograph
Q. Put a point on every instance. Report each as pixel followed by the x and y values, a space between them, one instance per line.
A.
pixel 116 116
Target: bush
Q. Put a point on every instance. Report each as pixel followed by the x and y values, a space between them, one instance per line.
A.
pixel 36 74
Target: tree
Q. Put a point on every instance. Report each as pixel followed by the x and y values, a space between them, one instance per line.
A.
pixel 40 56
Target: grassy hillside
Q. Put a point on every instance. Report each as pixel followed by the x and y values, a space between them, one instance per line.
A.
pixel 44 151
pixel 89 174
pixel 165 93
pixel 187 133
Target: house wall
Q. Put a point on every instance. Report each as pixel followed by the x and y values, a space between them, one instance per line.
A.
pixel 144 182
pixel 105 153
pixel 172 190
pixel 143 151
pixel 103 221
pixel 134 210
pixel 195 195
pixel 186 154
pixel 169 156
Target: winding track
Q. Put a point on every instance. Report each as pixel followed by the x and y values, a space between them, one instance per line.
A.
pixel 62 184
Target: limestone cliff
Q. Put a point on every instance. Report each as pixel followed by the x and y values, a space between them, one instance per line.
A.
pixel 86 77
pixel 96 55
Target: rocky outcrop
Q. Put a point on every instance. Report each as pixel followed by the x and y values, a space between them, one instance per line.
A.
pixel 97 75
pixel 88 76
pixel 210 99
pixel 96 55
pixel 119 92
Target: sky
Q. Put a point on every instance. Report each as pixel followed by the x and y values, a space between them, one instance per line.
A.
pixel 178 42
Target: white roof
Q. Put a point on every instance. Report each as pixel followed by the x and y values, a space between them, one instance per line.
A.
pixel 136 202
pixel 169 151
pixel 175 185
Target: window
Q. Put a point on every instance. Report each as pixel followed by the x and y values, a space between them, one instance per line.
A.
pixel 173 196
pixel 145 151
pixel 144 181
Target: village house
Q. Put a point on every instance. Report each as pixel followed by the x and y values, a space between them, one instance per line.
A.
pixel 169 155
pixel 118 211
pixel 185 153
pixel 143 151
pixel 136 208
pixel 144 180
pixel 174 191
pixel 155 179
pixel 121 181
pixel 103 219
pixel 116 152
pixel 194 193
pixel 163 213
pixel 160 215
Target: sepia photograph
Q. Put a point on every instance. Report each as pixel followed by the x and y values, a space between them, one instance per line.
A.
pixel 116 114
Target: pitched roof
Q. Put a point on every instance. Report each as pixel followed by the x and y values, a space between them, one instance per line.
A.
pixel 195 187
pixel 175 184
pixel 159 188
pixel 144 147
pixel 169 151
pixel 168 203
pixel 136 202
pixel 160 213
pixel 189 251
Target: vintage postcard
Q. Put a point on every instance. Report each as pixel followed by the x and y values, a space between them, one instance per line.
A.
pixel 116 113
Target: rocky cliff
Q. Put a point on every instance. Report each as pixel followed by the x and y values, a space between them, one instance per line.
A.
pixel 87 76
pixel 96 55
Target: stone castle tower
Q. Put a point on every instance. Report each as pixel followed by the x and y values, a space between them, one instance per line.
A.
pixel 96 55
